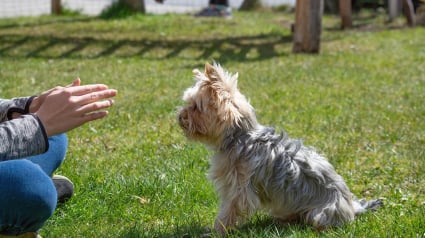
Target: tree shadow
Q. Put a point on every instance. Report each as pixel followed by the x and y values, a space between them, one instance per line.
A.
pixel 368 22
pixel 48 21
pixel 241 48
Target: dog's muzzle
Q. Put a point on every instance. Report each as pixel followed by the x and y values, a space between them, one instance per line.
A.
pixel 182 118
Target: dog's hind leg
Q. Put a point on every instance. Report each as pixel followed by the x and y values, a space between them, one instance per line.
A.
pixel 330 215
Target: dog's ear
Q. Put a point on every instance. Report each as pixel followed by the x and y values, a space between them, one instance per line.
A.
pixel 210 71
pixel 197 74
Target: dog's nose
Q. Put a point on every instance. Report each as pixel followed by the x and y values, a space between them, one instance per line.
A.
pixel 181 117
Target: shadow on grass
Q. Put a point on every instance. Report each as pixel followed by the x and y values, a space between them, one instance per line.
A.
pixel 45 22
pixel 263 225
pixel 243 48
pixel 193 230
pixel 369 22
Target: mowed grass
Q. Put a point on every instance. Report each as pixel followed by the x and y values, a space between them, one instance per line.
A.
pixel 360 102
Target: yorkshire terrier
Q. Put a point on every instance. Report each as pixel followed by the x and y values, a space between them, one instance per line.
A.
pixel 256 168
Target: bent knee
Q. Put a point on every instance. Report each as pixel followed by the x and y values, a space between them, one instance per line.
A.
pixel 27 193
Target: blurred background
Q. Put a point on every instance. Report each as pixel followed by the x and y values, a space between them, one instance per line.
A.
pixel 12 8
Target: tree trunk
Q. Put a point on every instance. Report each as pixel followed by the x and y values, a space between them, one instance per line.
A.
pixel 345 13
pixel 136 5
pixel 249 5
pixel 394 7
pixel 56 7
pixel 308 26
pixel 409 12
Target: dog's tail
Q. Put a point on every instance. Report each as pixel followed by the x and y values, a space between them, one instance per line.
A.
pixel 362 206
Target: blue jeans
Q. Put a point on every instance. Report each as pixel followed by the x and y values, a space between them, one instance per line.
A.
pixel 27 194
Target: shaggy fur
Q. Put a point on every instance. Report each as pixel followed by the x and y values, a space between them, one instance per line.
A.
pixel 256 168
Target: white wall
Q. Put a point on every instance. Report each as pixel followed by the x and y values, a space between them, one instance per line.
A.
pixel 13 8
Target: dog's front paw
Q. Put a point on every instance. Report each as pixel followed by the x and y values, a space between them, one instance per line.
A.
pixel 219 228
pixel 207 232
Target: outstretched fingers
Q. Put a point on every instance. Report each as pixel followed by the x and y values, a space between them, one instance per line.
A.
pixel 86 89
pixel 95 106
pixel 94 116
pixel 94 96
pixel 91 100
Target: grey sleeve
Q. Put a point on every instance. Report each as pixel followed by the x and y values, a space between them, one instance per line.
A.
pixel 21 137
pixel 9 106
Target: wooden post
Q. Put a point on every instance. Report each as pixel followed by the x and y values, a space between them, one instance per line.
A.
pixel 394 7
pixel 409 12
pixel 345 13
pixel 308 26
pixel 56 7
pixel 137 5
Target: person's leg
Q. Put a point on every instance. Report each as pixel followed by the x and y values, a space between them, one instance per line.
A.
pixel 27 197
pixel 51 160
pixel 216 8
pixel 54 156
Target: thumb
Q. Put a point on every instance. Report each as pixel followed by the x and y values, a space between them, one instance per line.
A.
pixel 76 82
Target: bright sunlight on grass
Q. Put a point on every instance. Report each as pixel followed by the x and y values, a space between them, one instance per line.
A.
pixel 360 102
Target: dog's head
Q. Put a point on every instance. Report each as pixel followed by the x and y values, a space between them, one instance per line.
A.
pixel 214 106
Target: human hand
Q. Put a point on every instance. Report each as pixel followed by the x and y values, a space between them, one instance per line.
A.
pixel 65 108
pixel 37 101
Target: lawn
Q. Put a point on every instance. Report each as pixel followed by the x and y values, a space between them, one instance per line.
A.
pixel 360 102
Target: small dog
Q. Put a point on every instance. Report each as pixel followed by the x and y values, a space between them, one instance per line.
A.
pixel 256 168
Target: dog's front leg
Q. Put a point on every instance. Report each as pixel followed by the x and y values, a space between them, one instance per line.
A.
pixel 234 209
pixel 227 216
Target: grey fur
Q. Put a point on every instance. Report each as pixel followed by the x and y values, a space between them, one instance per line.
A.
pixel 301 180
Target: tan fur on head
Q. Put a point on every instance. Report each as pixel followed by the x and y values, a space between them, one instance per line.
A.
pixel 214 105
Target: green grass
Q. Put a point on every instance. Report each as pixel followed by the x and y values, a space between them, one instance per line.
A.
pixel 360 102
